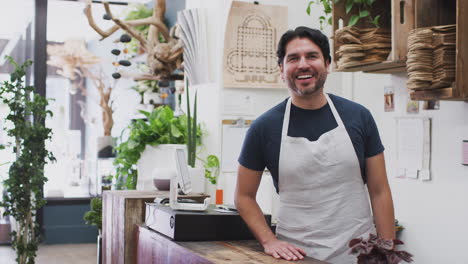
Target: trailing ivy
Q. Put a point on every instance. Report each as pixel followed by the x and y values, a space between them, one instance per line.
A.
pixel 24 193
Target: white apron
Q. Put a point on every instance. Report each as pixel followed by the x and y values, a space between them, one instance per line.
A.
pixel 323 202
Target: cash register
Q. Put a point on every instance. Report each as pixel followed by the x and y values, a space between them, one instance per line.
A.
pixel 188 221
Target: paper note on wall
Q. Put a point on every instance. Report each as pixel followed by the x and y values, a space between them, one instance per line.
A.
pixel 410 143
pixel 413 148
pixel 233 138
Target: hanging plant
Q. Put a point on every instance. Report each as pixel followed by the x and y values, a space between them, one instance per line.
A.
pixel 24 193
pixel 361 9
pixel 327 9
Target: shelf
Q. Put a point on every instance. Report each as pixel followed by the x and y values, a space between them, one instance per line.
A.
pixel 435 13
pixel 400 21
pixel 381 67
pixel 439 94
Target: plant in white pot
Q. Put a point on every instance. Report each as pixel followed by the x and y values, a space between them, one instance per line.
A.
pixel 210 166
pixel 138 155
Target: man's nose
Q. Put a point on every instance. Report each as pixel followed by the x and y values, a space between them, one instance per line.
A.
pixel 303 62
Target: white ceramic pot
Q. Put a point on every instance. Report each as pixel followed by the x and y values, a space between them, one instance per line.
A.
pixel 161 156
pixel 210 189
pixel 105 147
pixel 162 178
pixel 152 98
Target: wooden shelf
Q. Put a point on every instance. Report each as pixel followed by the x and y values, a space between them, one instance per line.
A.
pixel 439 94
pixel 380 67
pixel 434 13
pixel 401 21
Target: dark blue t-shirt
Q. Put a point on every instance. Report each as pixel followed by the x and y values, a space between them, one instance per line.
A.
pixel 262 142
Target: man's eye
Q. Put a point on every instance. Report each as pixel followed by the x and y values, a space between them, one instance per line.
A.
pixel 292 58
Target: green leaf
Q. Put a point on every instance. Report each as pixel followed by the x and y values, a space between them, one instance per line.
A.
pixel 363 13
pixel 147 114
pixel 308 7
pixel 327 8
pixel 354 19
pixel 376 21
pixel 212 161
pixel 349 6
pixel 330 21
pixel 175 132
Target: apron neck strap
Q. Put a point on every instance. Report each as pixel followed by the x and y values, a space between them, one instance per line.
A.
pixel 335 113
pixel 287 114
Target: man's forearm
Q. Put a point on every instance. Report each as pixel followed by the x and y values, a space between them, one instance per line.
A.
pixel 384 216
pixel 253 216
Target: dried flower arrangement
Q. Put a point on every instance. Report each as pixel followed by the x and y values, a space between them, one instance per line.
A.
pixel 76 63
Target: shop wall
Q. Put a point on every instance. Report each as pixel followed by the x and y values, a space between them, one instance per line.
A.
pixel 433 212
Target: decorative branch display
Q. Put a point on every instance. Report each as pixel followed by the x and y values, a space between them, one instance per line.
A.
pixel 71 58
pixel 105 102
pixel 24 194
pixel 75 62
pixel 164 50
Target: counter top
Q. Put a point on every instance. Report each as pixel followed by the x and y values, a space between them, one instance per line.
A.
pixel 154 247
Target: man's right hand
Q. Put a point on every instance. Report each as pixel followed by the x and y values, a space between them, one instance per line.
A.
pixel 281 249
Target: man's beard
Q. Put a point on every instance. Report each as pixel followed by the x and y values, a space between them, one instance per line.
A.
pixel 320 81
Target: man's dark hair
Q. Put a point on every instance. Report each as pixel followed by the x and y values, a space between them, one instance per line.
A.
pixel 313 35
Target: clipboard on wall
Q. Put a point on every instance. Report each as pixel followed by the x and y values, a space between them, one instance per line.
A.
pixel 234 131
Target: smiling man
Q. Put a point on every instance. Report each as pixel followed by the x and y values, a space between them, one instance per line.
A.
pixel 321 150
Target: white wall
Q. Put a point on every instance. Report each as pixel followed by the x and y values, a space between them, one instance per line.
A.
pixel 434 213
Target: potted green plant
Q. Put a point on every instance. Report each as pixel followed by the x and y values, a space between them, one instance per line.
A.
pixel 211 165
pixel 161 126
pixel 24 194
pixel 212 168
pixel 94 217
pixel 191 131
pixel 362 6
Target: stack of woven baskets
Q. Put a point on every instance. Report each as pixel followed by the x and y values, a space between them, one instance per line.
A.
pixel 431 58
pixel 357 47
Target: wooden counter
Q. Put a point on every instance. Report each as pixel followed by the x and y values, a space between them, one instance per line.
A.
pixel 154 248
pixel 122 210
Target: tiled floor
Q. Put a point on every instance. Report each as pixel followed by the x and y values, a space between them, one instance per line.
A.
pixel 55 254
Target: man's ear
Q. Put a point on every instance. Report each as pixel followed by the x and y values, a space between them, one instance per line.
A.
pixel 327 66
pixel 281 71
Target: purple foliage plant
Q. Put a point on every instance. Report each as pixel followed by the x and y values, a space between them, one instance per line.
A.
pixel 377 250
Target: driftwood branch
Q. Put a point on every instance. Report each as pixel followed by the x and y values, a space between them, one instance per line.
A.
pixel 105 92
pixel 163 56
pixel 104 33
